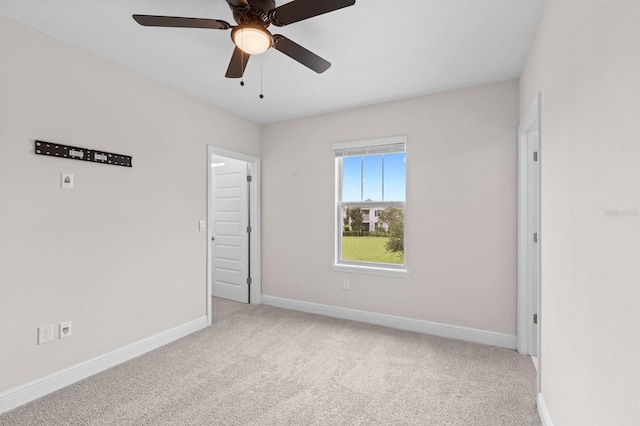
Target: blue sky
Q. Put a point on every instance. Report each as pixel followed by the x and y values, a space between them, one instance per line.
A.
pixel 370 169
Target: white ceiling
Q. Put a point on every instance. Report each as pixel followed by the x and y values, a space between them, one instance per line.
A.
pixel 380 50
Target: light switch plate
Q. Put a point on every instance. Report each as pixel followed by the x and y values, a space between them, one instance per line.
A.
pixel 203 226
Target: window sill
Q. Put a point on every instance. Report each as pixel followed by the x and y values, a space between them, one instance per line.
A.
pixel 401 273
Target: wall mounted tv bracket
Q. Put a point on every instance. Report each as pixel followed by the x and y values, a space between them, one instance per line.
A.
pixel 76 153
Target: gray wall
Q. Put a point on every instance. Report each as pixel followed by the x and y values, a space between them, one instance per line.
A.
pixel 586 61
pixel 120 255
pixel 461 208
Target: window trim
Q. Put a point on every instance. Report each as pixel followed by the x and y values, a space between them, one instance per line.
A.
pixel 372 270
pixel 371 144
pixel 376 147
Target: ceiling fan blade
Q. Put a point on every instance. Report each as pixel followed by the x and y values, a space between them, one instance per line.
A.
pixel 237 64
pixel 300 54
pixel 179 22
pixel 298 10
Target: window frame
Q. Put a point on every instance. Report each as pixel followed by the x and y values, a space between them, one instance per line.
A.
pixel 375 268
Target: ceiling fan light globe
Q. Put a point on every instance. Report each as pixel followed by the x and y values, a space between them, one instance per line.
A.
pixel 252 40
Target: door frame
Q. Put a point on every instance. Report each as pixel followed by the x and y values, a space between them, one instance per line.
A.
pixel 529 296
pixel 254 237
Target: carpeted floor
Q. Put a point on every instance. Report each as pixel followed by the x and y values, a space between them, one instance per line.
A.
pixel 260 365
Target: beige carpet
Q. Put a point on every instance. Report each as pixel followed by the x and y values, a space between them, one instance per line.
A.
pixel 260 365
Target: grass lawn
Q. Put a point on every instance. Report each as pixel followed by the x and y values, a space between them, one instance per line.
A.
pixel 368 249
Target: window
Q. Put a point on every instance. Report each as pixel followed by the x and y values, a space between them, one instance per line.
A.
pixel 370 205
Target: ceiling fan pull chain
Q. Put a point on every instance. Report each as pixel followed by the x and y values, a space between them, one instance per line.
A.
pixel 242 61
pixel 261 95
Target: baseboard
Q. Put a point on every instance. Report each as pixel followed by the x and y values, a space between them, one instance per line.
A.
pixel 427 327
pixel 543 411
pixel 40 387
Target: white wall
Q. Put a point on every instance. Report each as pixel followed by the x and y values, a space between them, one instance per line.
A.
pixel 461 208
pixel 120 255
pixel 586 61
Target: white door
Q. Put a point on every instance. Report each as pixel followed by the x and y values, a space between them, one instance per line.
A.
pixel 230 237
pixel 529 237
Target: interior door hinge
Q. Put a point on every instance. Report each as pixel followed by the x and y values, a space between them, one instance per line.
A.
pixel 535 318
pixel 249 178
pixel 535 237
pixel 248 229
pixel 249 280
pixel 535 156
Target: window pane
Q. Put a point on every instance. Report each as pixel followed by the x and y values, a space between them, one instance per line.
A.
pixel 372 178
pixel 375 237
pixel 351 178
pixel 395 177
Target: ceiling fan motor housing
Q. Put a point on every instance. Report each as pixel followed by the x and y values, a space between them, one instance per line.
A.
pixel 256 14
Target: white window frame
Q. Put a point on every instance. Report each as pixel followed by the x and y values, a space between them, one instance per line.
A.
pixel 368 147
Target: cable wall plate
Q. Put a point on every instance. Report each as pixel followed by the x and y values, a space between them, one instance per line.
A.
pixel 84 154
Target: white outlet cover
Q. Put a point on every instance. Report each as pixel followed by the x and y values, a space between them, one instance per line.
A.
pixel 64 329
pixel 66 180
pixel 45 334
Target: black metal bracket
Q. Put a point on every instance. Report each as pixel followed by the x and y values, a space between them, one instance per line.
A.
pixel 76 153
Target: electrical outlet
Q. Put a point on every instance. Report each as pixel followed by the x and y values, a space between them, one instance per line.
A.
pixel 45 334
pixel 346 285
pixel 64 329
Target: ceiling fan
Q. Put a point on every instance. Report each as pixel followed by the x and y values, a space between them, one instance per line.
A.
pixel 251 36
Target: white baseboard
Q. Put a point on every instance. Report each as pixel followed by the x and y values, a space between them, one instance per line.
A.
pixel 543 411
pixel 455 332
pixel 43 386
pixel 534 360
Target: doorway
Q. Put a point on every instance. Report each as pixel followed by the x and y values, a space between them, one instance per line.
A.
pixel 233 231
pixel 529 295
